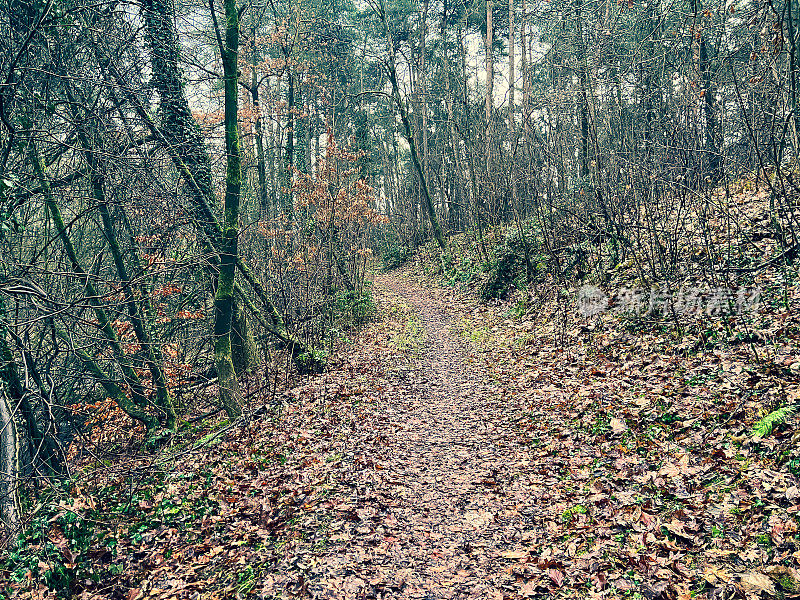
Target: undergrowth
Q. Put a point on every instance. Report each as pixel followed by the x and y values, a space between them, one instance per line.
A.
pixel 395 256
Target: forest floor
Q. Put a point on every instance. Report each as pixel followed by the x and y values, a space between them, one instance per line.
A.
pixel 459 450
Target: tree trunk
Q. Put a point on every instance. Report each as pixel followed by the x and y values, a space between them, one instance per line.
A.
pixel 793 34
pixel 178 125
pixel 274 146
pixel 9 467
pixel 243 346
pixel 316 132
pixel 261 165
pixel 179 131
pixel 583 103
pixel 455 140
pixel 512 80
pixel 288 159
pixel 141 327
pixel 229 394
pixel 526 87
pixel 649 83
pixel 11 393
pixel 409 135
pixel 488 44
pixel 512 123
pixel 423 84
pixel 709 91
pixel 44 448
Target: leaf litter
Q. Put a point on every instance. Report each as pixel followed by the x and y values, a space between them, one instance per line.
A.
pixel 452 452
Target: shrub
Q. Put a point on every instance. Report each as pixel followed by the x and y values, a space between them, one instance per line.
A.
pixel 504 270
pixel 353 307
pixel 396 256
pixel 311 362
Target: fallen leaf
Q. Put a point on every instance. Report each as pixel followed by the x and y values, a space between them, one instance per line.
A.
pixel 556 576
pixel 133 594
pixel 755 583
pixel 618 426
pixel 715 575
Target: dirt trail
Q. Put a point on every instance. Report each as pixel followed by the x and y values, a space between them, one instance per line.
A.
pixel 447 503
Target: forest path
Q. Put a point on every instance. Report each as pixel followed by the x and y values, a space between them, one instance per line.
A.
pixel 436 517
pixel 454 450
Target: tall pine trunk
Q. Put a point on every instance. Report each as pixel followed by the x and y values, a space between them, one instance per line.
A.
pixel 423 84
pixel 512 123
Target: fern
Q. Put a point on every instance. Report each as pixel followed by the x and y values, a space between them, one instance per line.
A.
pixel 766 424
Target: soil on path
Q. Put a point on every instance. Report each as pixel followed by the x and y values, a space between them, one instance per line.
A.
pixel 436 517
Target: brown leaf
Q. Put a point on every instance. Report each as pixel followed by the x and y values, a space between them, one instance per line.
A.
pixel 133 594
pixel 716 575
pixel 556 576
pixel 618 426
pixel 599 579
pixel 528 589
pixel 755 583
